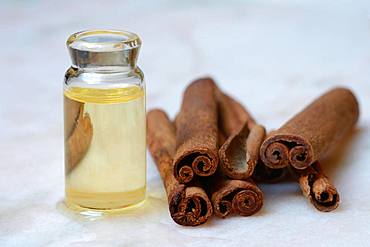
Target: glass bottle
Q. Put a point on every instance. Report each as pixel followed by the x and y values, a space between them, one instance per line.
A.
pixel 104 120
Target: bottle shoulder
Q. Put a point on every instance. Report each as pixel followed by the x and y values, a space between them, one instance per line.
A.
pixel 75 77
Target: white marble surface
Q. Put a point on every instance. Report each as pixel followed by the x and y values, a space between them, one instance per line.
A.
pixel 274 56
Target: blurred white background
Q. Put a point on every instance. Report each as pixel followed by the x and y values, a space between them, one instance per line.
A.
pixel 274 56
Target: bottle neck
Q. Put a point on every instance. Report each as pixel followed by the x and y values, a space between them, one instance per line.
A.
pixel 104 50
pixel 121 60
pixel 105 69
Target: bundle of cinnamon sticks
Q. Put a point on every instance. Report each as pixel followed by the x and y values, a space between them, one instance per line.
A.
pixel 213 153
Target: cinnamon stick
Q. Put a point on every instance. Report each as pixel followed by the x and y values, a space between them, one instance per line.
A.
pixel 196 135
pixel 72 112
pixel 231 196
pixel 188 206
pixel 79 140
pixel 308 136
pixel 240 152
pixel 238 156
pixel 316 187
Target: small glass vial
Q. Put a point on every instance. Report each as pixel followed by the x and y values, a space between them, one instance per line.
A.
pixel 104 120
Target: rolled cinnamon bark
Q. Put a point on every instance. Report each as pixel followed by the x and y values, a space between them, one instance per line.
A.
pixel 79 136
pixel 196 135
pixel 188 206
pixel 317 187
pixel 72 111
pixel 240 152
pixel 264 174
pixel 308 136
pixel 230 196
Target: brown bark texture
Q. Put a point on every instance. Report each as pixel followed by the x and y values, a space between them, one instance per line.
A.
pixel 79 131
pixel 317 188
pixel 188 205
pixel 196 135
pixel 231 196
pixel 239 153
pixel 310 134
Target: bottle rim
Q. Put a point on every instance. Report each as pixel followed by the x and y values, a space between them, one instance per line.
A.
pixel 100 40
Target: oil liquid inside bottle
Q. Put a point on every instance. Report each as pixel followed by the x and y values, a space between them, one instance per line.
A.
pixel 105 147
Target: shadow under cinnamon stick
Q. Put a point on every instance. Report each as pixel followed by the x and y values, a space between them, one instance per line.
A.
pixel 264 174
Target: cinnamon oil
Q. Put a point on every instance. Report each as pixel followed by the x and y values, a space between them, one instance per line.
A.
pixel 105 147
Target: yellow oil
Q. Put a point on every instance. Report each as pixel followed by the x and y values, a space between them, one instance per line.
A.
pixel 106 158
